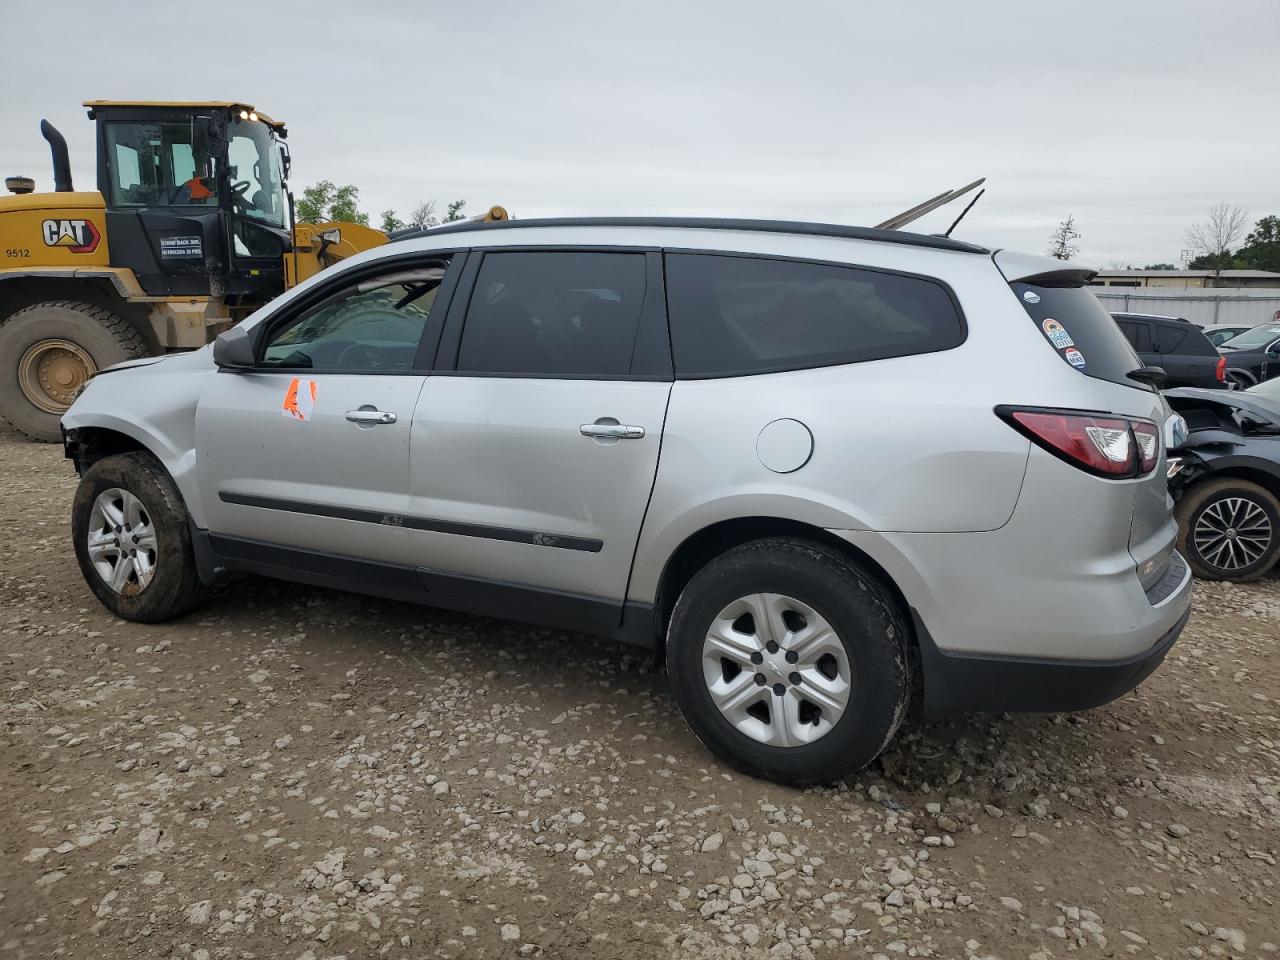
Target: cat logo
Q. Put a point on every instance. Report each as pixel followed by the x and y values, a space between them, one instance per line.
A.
pixel 78 236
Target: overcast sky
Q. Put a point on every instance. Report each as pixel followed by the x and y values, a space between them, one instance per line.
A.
pixel 1133 115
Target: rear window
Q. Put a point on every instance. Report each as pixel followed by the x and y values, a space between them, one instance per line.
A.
pixel 1078 328
pixel 734 315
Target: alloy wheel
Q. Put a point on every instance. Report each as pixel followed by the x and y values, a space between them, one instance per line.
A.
pixel 1232 533
pixel 776 670
pixel 122 541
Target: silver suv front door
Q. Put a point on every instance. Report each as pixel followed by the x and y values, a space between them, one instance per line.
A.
pixel 310 449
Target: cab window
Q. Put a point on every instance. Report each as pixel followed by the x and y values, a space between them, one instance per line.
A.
pixel 160 165
pixel 371 326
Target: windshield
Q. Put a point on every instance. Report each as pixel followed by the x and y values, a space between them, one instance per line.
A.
pixel 1254 339
pixel 253 157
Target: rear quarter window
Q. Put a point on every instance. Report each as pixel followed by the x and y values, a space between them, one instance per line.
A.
pixel 1080 330
pixel 738 315
pixel 1194 343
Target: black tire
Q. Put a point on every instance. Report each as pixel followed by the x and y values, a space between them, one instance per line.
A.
pixel 867 621
pixel 1202 497
pixel 105 337
pixel 175 587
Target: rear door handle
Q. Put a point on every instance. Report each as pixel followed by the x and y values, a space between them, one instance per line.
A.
pixel 369 417
pixel 611 431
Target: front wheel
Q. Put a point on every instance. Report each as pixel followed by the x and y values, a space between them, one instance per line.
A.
pixel 789 661
pixel 1229 529
pixel 132 539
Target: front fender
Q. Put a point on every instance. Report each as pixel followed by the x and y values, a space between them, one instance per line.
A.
pixel 155 407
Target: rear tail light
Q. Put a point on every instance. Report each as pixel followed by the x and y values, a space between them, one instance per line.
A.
pixel 1148 437
pixel 1116 447
pixel 1220 371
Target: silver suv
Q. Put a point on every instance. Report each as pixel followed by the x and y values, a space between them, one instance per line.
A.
pixel 824 471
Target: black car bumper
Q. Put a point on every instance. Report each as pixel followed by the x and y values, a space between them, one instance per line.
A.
pixel 992 684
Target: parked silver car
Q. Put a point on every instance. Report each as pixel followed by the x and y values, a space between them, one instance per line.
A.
pixel 824 470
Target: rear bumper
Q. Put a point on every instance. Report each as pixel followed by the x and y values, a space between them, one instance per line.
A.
pixel 956 683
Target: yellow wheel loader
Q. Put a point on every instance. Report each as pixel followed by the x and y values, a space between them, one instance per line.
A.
pixel 190 228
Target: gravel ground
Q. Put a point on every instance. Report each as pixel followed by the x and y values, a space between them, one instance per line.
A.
pixel 298 774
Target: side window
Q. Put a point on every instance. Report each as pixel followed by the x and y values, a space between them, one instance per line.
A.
pixel 160 164
pixel 1170 338
pixel 742 315
pixel 372 326
pixel 1135 333
pixel 554 314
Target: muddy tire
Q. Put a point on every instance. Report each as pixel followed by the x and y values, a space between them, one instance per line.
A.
pixel 1229 529
pixel 789 661
pixel 132 539
pixel 48 350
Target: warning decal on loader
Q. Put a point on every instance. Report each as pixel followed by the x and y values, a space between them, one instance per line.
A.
pixel 299 399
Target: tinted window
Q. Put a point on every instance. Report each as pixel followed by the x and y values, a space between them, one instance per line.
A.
pixel 1171 337
pixel 1077 327
pixel 1191 341
pixel 374 325
pixel 554 314
pixel 1136 333
pixel 742 315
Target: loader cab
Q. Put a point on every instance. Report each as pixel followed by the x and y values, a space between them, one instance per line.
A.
pixel 196 197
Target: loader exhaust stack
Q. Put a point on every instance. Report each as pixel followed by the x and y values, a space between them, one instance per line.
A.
pixel 61 160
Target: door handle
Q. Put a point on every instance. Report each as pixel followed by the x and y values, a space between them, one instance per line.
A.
pixel 368 417
pixel 611 431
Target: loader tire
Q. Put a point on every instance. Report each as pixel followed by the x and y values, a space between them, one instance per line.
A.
pixel 48 351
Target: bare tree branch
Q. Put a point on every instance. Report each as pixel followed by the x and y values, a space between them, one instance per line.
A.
pixel 424 215
pixel 1214 237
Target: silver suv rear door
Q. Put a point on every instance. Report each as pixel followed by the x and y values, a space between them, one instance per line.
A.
pixel 535 442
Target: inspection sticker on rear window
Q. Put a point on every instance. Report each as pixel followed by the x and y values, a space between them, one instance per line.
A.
pixel 1075 358
pixel 1057 334
pixel 299 399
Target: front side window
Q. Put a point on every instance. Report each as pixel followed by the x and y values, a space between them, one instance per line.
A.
pixel 742 315
pixel 160 165
pixel 372 326
pixel 253 166
pixel 554 314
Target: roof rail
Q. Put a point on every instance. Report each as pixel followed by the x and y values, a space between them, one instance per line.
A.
pixel 708 223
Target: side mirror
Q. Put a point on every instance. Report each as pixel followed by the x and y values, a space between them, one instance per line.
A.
pixel 233 349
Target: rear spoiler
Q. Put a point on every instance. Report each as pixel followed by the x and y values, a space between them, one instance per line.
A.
pixel 1042 271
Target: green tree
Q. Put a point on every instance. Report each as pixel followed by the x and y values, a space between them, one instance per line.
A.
pixel 1062 242
pixel 326 201
pixel 391 222
pixel 1261 250
pixel 1159 266
pixel 454 210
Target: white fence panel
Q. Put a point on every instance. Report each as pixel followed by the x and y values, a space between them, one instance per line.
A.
pixel 1214 305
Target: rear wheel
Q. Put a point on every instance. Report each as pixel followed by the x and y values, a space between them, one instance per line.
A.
pixel 132 540
pixel 48 351
pixel 1229 529
pixel 789 661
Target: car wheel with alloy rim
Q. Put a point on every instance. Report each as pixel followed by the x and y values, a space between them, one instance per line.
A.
pixel 1229 529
